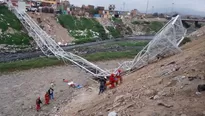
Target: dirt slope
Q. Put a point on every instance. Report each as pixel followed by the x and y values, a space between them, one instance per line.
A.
pixel 165 88
pixel 198 32
pixel 54 29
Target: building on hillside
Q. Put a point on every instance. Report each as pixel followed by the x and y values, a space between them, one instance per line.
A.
pixel 111 7
pixel 48 1
pixel 66 5
pixel 91 7
pixel 134 13
pixel 76 10
pixel 84 7
pixel 81 11
pixel 117 14
pixel 100 10
pixel 63 6
pixel 107 14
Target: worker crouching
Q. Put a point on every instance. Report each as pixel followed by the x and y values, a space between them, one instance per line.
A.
pixel 112 81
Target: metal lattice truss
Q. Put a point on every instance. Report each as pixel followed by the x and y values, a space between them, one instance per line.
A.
pixel 164 43
pixel 49 47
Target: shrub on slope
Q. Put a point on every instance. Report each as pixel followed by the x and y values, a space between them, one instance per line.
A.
pixel 83 29
pixel 8 21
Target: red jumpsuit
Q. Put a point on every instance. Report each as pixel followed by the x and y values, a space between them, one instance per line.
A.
pixel 38 102
pixel 47 98
pixel 119 76
pixel 112 80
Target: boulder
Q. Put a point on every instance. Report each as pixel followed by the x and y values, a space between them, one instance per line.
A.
pixel 122 99
pixel 113 113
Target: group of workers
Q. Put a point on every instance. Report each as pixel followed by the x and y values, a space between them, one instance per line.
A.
pixel 48 96
pixel 113 80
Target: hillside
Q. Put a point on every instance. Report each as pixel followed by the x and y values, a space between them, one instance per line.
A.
pixel 12 31
pixel 83 29
pixel 66 29
pixel 165 88
pixel 145 26
pixel 48 22
pixel 96 29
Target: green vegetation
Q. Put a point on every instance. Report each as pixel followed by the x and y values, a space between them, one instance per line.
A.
pixel 136 22
pixel 110 55
pixel 28 64
pixel 116 20
pixel 155 26
pixel 83 29
pixel 120 28
pixel 139 43
pixel 140 22
pixel 8 19
pixel 9 22
pixel 15 39
pixel 186 40
pixel 150 27
pixel 44 61
pixel 114 32
pixel 84 40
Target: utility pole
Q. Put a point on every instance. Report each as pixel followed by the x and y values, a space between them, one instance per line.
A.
pixel 147 6
pixel 152 9
pixel 172 7
pixel 123 6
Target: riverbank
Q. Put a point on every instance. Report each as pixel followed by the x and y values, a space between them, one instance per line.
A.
pixel 77 49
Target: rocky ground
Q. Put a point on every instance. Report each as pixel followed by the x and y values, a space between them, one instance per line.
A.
pixel 19 90
pixel 165 88
pixel 198 33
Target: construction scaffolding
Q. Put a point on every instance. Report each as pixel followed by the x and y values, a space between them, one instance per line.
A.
pixel 165 43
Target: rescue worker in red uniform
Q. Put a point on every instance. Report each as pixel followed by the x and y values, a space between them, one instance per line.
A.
pixel 112 81
pixel 38 104
pixel 118 75
pixel 47 98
